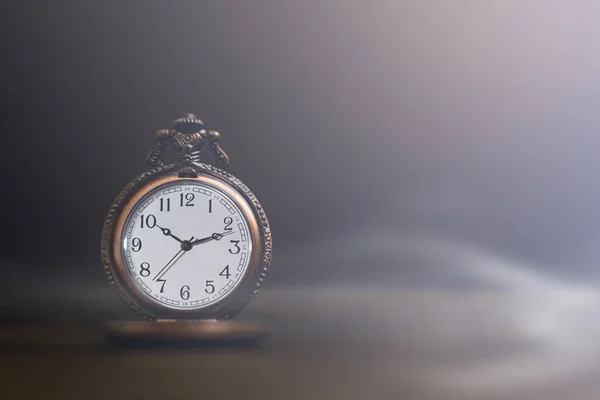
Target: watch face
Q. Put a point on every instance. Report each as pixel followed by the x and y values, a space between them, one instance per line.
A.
pixel 186 245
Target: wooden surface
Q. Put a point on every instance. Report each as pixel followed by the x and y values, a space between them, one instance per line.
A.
pixel 346 342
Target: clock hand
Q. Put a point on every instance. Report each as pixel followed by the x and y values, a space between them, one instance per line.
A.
pixel 218 236
pixel 214 236
pixel 185 246
pixel 166 268
pixel 167 232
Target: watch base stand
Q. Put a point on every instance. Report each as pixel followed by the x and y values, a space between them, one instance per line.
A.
pixel 186 332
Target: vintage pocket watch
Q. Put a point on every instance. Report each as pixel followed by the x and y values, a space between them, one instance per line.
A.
pixel 186 241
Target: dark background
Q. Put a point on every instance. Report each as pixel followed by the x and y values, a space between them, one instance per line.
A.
pixel 355 124
pixel 404 150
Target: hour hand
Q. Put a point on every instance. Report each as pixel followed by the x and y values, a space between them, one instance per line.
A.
pixel 218 236
pixel 167 232
pixel 214 236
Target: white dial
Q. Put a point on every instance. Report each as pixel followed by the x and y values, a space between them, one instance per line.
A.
pixel 186 245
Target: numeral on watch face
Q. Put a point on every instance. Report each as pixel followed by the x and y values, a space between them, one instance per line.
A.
pixel 145 271
pixel 185 292
pixel 225 272
pixel 162 286
pixel 187 200
pixel 236 248
pixel 136 244
pixel 210 288
pixel 165 204
pixel 147 221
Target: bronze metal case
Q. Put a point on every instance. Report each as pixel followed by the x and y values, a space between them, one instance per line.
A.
pixel 258 224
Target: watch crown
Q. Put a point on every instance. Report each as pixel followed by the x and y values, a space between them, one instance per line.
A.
pixel 187 124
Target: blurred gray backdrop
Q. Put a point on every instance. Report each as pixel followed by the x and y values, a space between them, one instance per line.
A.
pixel 371 131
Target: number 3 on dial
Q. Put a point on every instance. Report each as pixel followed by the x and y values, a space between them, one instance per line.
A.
pixel 237 247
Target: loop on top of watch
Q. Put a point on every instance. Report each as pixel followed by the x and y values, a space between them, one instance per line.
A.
pixel 187 137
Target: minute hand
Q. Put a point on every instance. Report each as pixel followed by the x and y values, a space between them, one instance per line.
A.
pixel 184 248
pixel 167 267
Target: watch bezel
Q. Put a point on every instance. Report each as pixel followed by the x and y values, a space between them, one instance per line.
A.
pixel 258 225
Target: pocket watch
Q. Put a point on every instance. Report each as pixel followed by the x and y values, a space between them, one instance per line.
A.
pixel 186 241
